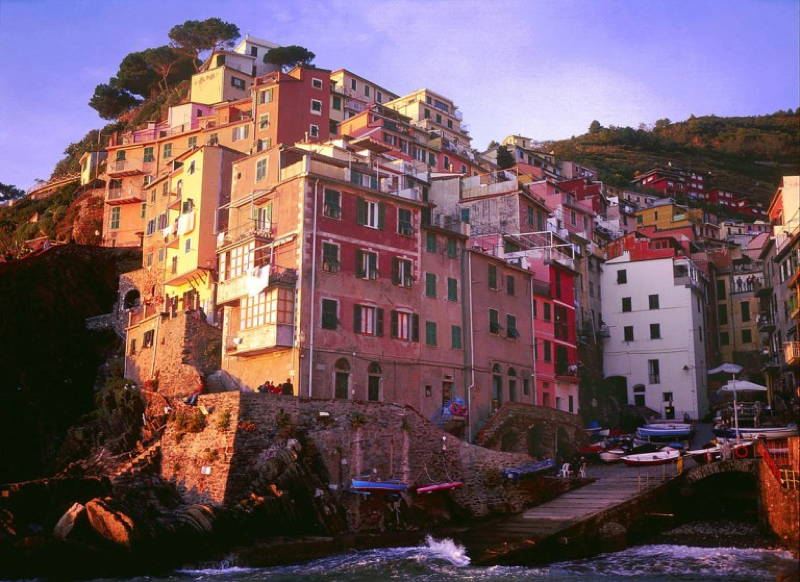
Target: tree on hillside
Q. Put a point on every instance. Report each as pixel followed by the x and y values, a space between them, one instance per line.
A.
pixel 289 56
pixel 662 123
pixel 10 192
pixel 595 127
pixel 110 102
pixel 504 158
pixel 196 36
pixel 136 75
pixel 169 64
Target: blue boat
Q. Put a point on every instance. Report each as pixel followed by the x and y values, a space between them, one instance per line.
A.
pixel 377 486
pixel 664 430
pixel 516 473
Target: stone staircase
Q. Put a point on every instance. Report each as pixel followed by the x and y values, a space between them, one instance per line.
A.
pixel 136 464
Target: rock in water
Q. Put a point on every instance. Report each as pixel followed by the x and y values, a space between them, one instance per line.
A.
pixel 111 524
pixel 73 517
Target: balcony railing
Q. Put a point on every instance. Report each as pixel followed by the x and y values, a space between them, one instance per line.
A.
pixel 567 371
pixel 746 284
pixel 124 195
pixel 252 228
pixel 765 323
pixel 125 167
pixel 237 287
pixel 138 314
pixel 792 352
pixel 264 338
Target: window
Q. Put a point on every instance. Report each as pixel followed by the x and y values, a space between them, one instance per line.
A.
pixel 332 205
pixel 494 321
pixel 666 396
pixel 724 338
pixel 167 151
pixel 379 97
pixel 455 337
pixel 655 331
pixel 722 314
pixel 405 326
pixel 313 130
pixel 546 315
pixel 510 284
pixel 342 379
pixel 561 326
pixel 148 154
pixel 511 326
pixel 526 386
pixel 653 301
pixel 452 289
pixel 368 320
pixel 465 215
pixel 653 372
pixel 572 218
pixel 366 265
pixel 512 384
pixel 430 333
pixel 330 257
pixel 745 308
pixel 316 83
pixel 115 218
pixel 316 107
pixel 492 277
pixel 253 51
pixel 366 90
pixel 452 250
pixel 430 242
pixel 237 83
pixel 402 272
pixel 147 341
pixel 187 246
pixel 120 156
pixel 747 336
pixel 149 260
pixel 547 351
pixel 430 285
pixel 133 346
pixel 622 277
pixel 353 84
pixel 626 304
pixel 330 314
pixel 263 121
pixel 240 133
pixel 628 333
pixel 404 225
pixel 261 169
pixel 265 96
pixel 337 103
pixel 370 214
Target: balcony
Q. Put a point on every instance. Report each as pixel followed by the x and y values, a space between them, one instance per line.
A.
pixel 261 340
pixel 127 195
pixel 765 323
pixel 233 289
pixel 791 352
pixel 140 313
pixel 750 284
pixel 566 372
pixel 122 168
pixel 260 231
pixel 603 332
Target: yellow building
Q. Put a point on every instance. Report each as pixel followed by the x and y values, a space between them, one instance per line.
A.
pixel 433 112
pixel 351 94
pixel 91 166
pixel 666 214
pixel 225 76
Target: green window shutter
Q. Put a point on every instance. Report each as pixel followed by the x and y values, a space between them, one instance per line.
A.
pixel 394 324
pixel 357 318
pixel 414 327
pixel 373 265
pixel 430 242
pixel 379 322
pixel 452 289
pixel 451 248
pixel 361 211
pixel 430 333
pixel 430 284
pixel 360 264
pixel 396 271
pixel 494 322
pixel 455 333
pixel 381 215
pixel 511 326
pixel 492 277
pixel 329 314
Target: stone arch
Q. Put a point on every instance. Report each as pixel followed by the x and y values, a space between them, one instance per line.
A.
pixel 564 447
pixel 509 440
pixel 536 444
pixel 727 466
pixel 131 299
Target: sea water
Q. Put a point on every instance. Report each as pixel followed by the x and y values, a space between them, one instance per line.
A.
pixel 445 561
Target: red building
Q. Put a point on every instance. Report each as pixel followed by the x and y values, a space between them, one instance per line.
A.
pixel 674 182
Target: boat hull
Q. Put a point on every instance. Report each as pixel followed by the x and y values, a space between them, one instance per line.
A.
pixel 377 486
pixel 439 487
pixel 647 459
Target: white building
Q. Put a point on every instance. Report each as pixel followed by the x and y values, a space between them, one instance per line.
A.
pixel 654 309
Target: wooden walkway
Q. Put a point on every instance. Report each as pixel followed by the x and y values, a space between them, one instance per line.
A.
pixel 615 484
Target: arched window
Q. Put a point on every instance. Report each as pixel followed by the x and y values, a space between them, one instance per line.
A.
pixel 131 299
pixel 497 386
pixel 512 384
pixel 374 381
pixel 342 379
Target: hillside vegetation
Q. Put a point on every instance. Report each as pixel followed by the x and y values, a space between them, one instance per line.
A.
pixel 743 154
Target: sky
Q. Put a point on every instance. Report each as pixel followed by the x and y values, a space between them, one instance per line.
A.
pixel 541 68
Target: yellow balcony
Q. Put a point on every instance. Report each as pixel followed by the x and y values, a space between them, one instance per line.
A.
pixel 260 340
pixel 122 168
pixel 792 353
pixel 128 195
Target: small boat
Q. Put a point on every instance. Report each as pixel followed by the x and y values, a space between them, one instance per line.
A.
pixel 530 469
pixel 708 453
pixel 359 485
pixel 664 430
pixel 666 455
pixel 611 455
pixel 439 487
pixel 750 433
pixel 597 430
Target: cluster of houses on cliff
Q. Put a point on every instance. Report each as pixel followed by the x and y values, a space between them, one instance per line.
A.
pixel 332 235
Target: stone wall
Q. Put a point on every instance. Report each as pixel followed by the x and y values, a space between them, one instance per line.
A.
pixel 534 430
pixel 346 439
pixel 781 505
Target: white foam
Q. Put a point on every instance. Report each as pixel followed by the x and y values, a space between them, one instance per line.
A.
pixel 448 550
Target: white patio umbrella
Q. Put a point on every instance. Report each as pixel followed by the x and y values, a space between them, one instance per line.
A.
pixel 726 368
pixel 740 386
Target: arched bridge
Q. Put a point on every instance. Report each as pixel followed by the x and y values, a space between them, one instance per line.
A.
pixel 701 472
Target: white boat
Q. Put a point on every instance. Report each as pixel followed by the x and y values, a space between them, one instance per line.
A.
pixel 769 433
pixel 673 429
pixel 611 455
pixel 665 455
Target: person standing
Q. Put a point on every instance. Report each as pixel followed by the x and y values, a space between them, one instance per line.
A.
pixel 288 388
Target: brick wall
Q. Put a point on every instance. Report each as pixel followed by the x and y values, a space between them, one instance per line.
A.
pixel 780 505
pixel 351 439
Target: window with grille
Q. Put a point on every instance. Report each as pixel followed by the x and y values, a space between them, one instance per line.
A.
pixel 330 257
